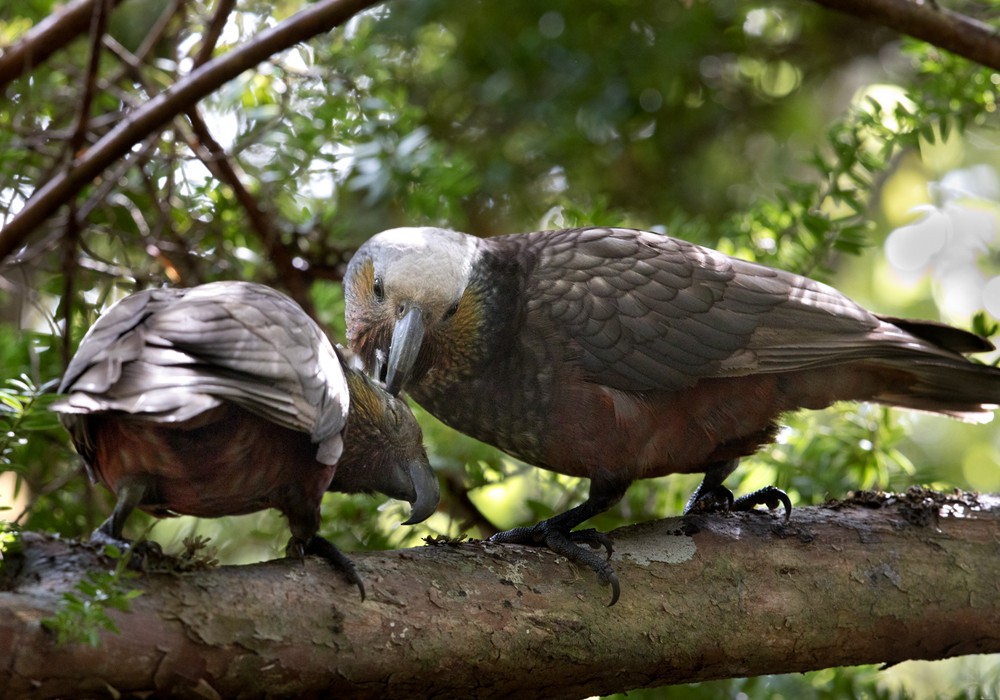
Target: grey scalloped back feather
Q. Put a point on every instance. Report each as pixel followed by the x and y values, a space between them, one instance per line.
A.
pixel 171 354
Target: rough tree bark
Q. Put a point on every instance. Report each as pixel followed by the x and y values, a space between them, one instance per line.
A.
pixel 875 579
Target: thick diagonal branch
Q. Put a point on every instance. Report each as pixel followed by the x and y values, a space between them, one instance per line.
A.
pixel 930 22
pixel 41 41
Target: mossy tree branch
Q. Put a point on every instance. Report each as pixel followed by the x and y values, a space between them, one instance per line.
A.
pixel 873 580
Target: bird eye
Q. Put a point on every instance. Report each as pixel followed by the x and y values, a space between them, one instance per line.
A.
pixel 452 310
pixel 378 290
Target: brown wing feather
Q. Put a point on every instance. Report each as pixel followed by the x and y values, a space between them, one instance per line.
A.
pixel 170 354
pixel 642 311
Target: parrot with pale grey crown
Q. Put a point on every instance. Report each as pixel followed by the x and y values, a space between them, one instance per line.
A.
pixel 619 354
pixel 227 398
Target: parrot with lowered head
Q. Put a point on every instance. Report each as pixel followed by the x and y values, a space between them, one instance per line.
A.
pixel 227 398
pixel 617 354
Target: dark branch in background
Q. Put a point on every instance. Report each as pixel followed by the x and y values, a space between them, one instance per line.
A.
pixel 219 164
pixel 77 141
pixel 962 35
pixel 70 241
pixel 98 24
pixel 175 266
pixel 930 22
pixel 210 39
pixel 461 507
pixel 215 159
pixel 874 580
pixel 45 38
pixel 318 18
pixel 85 127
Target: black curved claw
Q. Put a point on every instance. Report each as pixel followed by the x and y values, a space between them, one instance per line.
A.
pixel 564 543
pixel 770 496
pixel 322 547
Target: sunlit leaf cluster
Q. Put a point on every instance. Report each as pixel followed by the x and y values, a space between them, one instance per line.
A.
pixel 83 612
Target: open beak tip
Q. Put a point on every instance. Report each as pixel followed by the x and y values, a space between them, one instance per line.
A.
pixel 413 519
pixel 419 515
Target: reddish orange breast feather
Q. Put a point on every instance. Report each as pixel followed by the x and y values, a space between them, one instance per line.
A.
pixel 653 433
pixel 644 434
pixel 225 461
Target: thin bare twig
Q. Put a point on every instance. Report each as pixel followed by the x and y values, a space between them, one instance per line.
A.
pixel 211 37
pixel 98 25
pixel 158 30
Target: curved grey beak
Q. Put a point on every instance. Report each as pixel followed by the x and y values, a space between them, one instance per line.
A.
pixel 426 491
pixel 407 337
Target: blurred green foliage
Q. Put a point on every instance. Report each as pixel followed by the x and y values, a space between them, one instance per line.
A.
pixel 10 541
pixel 751 126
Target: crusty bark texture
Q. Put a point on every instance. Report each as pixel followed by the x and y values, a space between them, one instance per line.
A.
pixel 873 579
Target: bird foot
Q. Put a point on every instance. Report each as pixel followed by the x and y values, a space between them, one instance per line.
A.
pixel 721 499
pixel 567 544
pixel 770 496
pixel 718 499
pixel 139 553
pixel 322 547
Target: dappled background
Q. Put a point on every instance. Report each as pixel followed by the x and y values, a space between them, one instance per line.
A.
pixel 775 131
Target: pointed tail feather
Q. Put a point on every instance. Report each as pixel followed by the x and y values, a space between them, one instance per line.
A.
pixel 959 388
pixel 942 335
